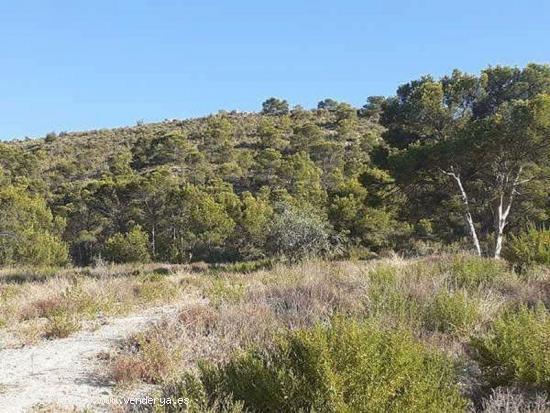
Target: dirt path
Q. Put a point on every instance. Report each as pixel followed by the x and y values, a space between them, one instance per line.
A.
pixel 64 371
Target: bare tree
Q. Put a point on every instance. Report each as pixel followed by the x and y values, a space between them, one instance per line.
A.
pixel 468 214
pixel 508 181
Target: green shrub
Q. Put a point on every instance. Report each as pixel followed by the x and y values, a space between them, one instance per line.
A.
pixel 223 289
pixel 349 367
pixel 387 297
pixel 130 247
pixel 517 350
pixel 41 249
pixel 529 248
pixel 61 325
pixel 153 287
pixel 29 233
pixel 297 234
pixel 471 271
pixel 244 266
pixel 449 312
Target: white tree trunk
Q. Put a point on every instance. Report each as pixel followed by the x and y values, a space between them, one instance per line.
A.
pixel 469 219
pixel 502 221
pixel 153 242
pixel 504 211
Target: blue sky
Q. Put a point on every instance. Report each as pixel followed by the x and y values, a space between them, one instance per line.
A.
pixel 74 65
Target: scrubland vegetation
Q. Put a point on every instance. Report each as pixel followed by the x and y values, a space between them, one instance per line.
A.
pixel 449 333
pixel 48 303
pixel 389 258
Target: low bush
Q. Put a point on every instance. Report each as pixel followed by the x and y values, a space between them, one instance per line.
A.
pixel 151 291
pixel 513 400
pixel 61 325
pixel 471 271
pixel 349 367
pixel 390 296
pixel 452 312
pixel 156 360
pixel 529 248
pixel 517 350
pixel 225 290
pixel 244 267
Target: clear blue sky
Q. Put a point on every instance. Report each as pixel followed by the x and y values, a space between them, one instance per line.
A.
pixel 73 65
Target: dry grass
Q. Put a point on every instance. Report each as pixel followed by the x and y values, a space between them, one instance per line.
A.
pixel 33 306
pixel 56 408
pixel 242 309
pixel 512 400
pixel 443 300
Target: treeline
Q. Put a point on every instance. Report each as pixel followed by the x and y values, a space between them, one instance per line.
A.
pixel 456 162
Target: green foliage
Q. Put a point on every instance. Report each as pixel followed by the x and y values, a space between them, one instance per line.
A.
pixel 358 214
pixel 222 290
pixel 50 137
pixel 17 162
pixel 273 134
pixel 29 233
pixel 172 147
pixel 480 136
pixel 327 104
pixel 386 298
pixel 207 188
pixel 61 325
pixel 297 234
pixel 470 271
pixel 130 247
pixel 529 248
pixel 452 312
pixel 349 367
pixel 302 179
pixel 244 266
pixel 155 287
pixel 204 222
pixel 517 349
pixel 256 214
pixel 274 106
pixel 41 248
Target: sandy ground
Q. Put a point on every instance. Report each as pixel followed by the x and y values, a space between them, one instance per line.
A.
pixel 65 371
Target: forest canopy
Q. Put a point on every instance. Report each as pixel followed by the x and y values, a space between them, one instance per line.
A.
pixel 457 162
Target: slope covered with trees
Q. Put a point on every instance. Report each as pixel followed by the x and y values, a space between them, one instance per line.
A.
pixel 462 160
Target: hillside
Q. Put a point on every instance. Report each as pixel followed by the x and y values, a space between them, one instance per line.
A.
pixel 389 258
pixel 75 156
pixel 445 164
pixel 299 157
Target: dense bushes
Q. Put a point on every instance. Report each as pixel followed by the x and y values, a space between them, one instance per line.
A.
pixel 451 312
pixel 130 247
pixel 206 189
pixel 471 271
pixel 41 248
pixel 517 350
pixel 449 303
pixel 297 234
pixel 348 367
pixel 29 233
pixel 529 248
pixel 425 295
